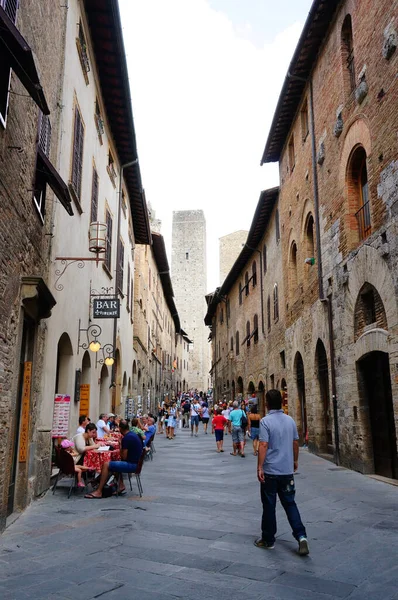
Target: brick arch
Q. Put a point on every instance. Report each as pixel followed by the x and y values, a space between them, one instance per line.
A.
pixel 370 268
pixel 357 134
pixel 369 310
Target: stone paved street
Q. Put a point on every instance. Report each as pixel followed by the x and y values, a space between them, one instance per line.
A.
pixel 191 535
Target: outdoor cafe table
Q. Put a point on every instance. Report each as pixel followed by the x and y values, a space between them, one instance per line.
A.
pixel 95 459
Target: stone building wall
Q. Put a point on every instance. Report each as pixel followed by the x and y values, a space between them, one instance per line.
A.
pixel 24 238
pixel 230 247
pixel 189 278
pixel 347 122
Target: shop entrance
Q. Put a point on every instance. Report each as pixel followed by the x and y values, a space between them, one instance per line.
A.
pixel 374 383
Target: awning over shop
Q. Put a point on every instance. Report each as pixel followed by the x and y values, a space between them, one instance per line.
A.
pixel 55 181
pixel 20 57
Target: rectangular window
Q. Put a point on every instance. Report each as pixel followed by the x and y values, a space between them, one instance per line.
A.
pixel 94 197
pixel 131 297
pixel 111 169
pixel 304 121
pixel 121 267
pixel 292 157
pixel 108 252
pixel 186 255
pixel 40 185
pixel 82 52
pixel 77 155
pixel 128 287
pixel 99 122
pixel 10 7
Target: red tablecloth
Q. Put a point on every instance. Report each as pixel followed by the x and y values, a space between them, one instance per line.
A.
pixel 94 460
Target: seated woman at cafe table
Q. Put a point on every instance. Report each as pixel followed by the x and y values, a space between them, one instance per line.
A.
pixel 130 454
pixel 84 442
pixel 69 447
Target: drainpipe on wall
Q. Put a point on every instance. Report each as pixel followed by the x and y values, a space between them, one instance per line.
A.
pixel 320 270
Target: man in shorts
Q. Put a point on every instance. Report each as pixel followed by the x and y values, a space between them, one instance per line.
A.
pixel 130 455
pixel 195 412
pixel 238 435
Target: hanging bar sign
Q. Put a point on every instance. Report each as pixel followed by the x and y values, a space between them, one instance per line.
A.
pixel 104 308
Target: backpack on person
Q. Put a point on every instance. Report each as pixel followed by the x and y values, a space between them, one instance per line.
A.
pixel 243 420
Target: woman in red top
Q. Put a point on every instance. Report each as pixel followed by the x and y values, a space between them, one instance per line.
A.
pixel 217 426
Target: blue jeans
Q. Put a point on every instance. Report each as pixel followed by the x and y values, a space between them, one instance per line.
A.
pixel 283 485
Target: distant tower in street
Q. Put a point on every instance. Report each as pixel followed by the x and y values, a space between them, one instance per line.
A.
pixel 230 248
pixel 189 279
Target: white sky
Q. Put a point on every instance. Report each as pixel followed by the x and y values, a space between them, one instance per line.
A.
pixel 204 87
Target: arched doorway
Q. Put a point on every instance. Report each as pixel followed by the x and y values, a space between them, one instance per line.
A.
pixel 84 407
pixel 105 395
pixel 261 398
pixel 374 387
pixel 251 392
pixel 233 390
pixel 324 441
pixel 64 379
pixel 285 401
pixel 239 389
pixel 302 408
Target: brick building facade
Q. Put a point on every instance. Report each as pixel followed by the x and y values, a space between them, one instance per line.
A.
pixel 29 132
pixel 334 135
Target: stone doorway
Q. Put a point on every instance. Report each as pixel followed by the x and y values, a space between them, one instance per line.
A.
pixel 322 371
pixel 374 386
pixel 300 382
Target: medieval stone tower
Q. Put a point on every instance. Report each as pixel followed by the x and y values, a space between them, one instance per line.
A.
pixel 230 247
pixel 189 278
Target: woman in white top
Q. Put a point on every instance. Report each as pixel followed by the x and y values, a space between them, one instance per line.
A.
pixel 85 441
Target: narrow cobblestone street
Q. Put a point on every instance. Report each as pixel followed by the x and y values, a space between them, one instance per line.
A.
pixel 191 535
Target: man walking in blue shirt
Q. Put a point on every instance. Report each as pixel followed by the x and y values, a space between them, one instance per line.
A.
pixel 277 461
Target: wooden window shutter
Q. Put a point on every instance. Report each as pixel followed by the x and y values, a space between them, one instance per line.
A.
pixel 108 253
pixel 94 197
pixel 128 287
pixel 77 160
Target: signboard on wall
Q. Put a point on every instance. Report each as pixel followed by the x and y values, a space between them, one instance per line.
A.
pixel 104 308
pixel 24 429
pixel 61 416
pixel 84 408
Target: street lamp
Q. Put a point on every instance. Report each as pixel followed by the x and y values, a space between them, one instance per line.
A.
pixel 97 245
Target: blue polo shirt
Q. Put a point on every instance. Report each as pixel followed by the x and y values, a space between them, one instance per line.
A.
pixel 279 431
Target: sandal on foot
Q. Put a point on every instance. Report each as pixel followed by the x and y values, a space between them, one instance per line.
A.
pixel 92 497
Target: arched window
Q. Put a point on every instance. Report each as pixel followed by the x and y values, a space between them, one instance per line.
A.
pixel 277 230
pixel 293 270
pixel 240 293
pixel 358 193
pixel 247 283
pixel 276 303
pixel 265 258
pixel 248 334
pixel 347 55
pixel 232 343
pixel 269 313
pixel 237 343
pixel 255 329
pixel 309 237
pixel 254 273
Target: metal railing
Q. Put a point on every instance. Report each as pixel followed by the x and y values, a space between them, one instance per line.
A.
pixel 363 219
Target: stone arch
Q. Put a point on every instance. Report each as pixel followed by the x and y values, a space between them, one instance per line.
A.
pixel 369 268
pixel 261 398
pixel 104 395
pixel 239 385
pixel 301 416
pixel 64 373
pixel 293 272
pixel 322 410
pixel 86 367
pixel 251 388
pixel 369 311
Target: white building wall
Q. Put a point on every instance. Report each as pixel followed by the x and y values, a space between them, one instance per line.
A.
pixel 72 290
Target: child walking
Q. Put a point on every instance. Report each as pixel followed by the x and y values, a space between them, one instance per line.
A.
pixel 217 427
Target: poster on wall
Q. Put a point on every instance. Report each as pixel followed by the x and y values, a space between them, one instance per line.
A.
pixel 84 407
pixel 61 416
